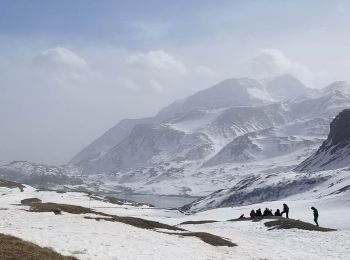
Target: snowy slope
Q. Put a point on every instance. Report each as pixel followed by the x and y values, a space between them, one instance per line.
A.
pixel 230 92
pixel 74 234
pixel 261 145
pixel 286 87
pixel 111 138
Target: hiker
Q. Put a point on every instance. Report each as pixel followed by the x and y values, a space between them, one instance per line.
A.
pixel 252 213
pixel 285 210
pixel 278 213
pixel 258 213
pixel 267 212
pixel 315 215
pixel 241 217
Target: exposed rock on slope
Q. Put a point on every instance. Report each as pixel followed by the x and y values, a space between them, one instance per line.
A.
pixel 335 151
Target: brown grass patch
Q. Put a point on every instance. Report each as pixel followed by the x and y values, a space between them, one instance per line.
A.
pixel 11 185
pixel 198 222
pixel 52 207
pixel 139 223
pixel 29 201
pixel 207 238
pixel 136 222
pixel 15 248
pixel 73 209
pixel 284 223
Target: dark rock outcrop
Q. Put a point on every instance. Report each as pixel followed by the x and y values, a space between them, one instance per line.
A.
pixel 334 153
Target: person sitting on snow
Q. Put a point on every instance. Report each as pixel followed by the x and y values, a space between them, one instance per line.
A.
pixel 252 213
pixel 267 212
pixel 278 213
pixel 258 213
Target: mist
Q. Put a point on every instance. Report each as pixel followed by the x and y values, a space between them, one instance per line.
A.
pixel 69 71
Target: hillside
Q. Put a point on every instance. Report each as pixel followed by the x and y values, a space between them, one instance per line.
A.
pixel 86 227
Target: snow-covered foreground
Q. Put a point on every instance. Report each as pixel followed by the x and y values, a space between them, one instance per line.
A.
pixel 72 234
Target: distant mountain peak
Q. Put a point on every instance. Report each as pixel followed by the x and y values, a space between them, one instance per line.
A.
pixel 338 86
pixel 285 87
pixel 233 92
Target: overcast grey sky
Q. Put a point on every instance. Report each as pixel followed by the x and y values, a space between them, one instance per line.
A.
pixel 69 70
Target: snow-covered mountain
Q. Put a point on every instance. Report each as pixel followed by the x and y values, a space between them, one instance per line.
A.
pixel 108 140
pixel 215 138
pixel 323 174
pixel 231 92
pixel 334 153
pixel 260 145
pixel 286 87
pixel 202 127
pixel 41 175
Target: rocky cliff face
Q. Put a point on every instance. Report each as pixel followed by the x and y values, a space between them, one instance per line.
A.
pixel 335 151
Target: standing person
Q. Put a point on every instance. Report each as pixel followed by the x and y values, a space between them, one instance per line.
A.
pixel 315 215
pixel 285 210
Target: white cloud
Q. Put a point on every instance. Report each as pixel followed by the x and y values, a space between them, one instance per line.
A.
pixel 60 57
pixel 272 62
pixel 157 60
pixel 61 66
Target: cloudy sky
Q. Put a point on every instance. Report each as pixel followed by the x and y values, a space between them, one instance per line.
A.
pixel 70 70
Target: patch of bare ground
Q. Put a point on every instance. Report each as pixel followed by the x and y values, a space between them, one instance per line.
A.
pixel 29 201
pixel 11 185
pixel 52 207
pixel 15 248
pixel 73 209
pixel 284 223
pixel 139 222
pixel 207 238
pixel 136 222
pixel 198 222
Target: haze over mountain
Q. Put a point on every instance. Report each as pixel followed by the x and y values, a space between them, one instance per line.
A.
pixel 211 140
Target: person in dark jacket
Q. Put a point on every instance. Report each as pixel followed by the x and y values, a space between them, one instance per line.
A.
pixel 278 213
pixel 315 215
pixel 285 210
pixel 241 216
pixel 258 213
pixel 252 214
pixel 267 212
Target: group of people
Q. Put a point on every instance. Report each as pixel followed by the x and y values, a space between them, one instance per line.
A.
pixel 268 212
